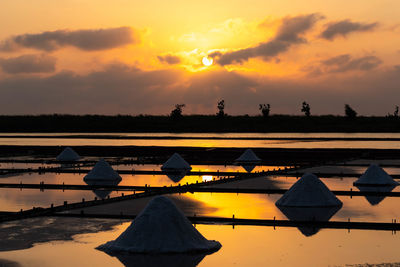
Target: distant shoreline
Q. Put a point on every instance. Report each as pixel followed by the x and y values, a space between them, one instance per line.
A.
pixel 153 137
pixel 196 124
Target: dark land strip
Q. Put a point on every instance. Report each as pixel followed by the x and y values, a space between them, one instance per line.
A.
pixel 155 137
pixel 59 123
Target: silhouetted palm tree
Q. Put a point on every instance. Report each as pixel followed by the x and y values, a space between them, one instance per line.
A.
pixel 306 109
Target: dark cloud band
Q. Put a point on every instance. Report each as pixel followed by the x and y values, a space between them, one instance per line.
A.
pixel 345 27
pixel 288 34
pixel 88 40
pixel 169 59
pixel 28 64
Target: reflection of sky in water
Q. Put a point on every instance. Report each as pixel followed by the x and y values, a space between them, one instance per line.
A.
pixel 18 165
pixel 210 142
pixel 242 205
pixel 16 199
pixel 348 169
pixel 242 246
pixel 140 180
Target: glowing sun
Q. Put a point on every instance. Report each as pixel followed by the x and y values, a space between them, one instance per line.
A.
pixel 207 61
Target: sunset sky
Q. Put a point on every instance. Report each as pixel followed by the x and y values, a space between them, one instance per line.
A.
pixel 143 57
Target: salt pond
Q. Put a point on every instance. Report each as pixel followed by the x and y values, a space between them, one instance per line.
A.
pixel 241 246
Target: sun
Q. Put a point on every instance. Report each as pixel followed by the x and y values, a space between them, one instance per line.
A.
pixel 207 61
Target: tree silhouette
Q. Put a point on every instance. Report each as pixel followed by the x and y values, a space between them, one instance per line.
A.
pixel 395 113
pixel 265 109
pixel 350 113
pixel 221 109
pixel 177 112
pixel 306 109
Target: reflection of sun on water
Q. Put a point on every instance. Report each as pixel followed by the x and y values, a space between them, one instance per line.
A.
pixel 207 61
pixel 207 178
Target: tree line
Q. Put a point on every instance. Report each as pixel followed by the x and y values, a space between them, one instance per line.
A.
pixel 265 110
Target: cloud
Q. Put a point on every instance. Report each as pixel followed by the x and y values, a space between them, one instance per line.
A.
pixel 343 63
pixel 289 33
pixel 28 64
pixel 169 59
pixel 87 40
pixel 123 89
pixel 345 27
pixel 118 88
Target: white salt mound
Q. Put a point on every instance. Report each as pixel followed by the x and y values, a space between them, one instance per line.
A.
pixel 375 176
pixel 309 191
pixel 176 162
pixel 248 157
pixel 102 171
pixel 161 228
pixel 68 154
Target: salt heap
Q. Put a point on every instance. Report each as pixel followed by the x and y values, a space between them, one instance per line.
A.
pixel 175 163
pixel 309 199
pixel 248 160
pixel 102 172
pixel 248 157
pixel 309 191
pixel 176 167
pixel 68 154
pixel 375 176
pixel 161 228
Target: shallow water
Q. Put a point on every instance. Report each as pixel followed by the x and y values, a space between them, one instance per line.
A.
pixel 61 140
pixel 241 246
pixel 243 205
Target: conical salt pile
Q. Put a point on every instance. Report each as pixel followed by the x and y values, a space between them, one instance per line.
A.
pixel 248 157
pixel 176 163
pixel 309 191
pixel 161 228
pixel 375 176
pixel 68 154
pixel 102 171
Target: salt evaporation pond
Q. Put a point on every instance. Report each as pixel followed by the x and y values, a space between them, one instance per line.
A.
pixel 241 246
pixel 62 140
pixel 16 199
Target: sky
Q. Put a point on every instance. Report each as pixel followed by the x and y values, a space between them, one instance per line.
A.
pixel 144 57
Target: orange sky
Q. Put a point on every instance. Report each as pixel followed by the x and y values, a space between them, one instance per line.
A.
pixel 136 57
